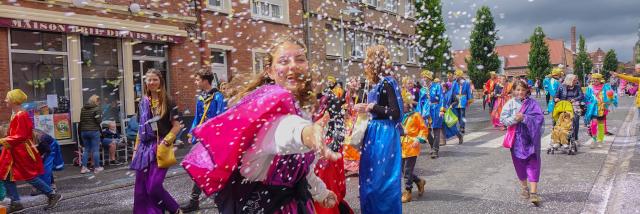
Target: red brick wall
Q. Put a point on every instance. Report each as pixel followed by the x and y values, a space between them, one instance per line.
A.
pixel 5 86
pixel 184 59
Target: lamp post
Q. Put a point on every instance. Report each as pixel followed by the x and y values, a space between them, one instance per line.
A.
pixel 349 10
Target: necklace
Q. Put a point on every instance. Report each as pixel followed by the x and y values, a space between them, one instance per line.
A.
pixel 155 107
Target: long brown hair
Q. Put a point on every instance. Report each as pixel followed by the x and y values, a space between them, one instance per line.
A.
pixel 377 63
pixel 163 97
pixel 306 97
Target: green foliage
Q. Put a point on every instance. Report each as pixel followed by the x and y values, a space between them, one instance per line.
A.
pixel 610 63
pixel 582 64
pixel 539 63
pixel 430 35
pixel 483 42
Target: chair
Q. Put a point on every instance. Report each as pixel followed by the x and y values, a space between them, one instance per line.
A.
pixel 122 147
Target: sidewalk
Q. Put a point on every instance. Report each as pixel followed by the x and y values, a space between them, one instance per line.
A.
pixel 71 184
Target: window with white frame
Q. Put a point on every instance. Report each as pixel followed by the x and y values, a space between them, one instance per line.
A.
pixel 394 50
pixel 371 2
pixel 258 61
pixel 217 4
pixel 391 5
pixel 358 45
pixel 411 54
pixel 219 64
pixel 268 9
pixel 410 8
pixel 333 41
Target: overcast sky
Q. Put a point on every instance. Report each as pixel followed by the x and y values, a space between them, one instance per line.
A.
pixel 606 24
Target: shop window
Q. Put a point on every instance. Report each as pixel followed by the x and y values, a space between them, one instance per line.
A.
pixel 39 68
pixel 101 73
pixel 391 6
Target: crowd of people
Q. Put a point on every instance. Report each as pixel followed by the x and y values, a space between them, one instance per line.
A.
pixel 275 146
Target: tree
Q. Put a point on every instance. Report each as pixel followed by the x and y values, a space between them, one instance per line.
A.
pixel 483 42
pixel 610 63
pixel 582 64
pixel 539 63
pixel 430 35
pixel 448 57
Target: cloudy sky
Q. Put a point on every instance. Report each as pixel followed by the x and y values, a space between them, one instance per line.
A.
pixel 606 24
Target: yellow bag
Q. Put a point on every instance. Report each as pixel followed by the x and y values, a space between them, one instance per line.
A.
pixel 165 156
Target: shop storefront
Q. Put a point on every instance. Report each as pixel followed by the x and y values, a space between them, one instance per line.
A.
pixel 60 65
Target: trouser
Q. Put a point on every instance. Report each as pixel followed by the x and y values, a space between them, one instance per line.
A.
pixel 39 184
pixel 547 96
pixel 195 193
pixel 460 113
pixel 149 195
pixel 434 139
pixel 527 168
pixel 408 165
pixel 576 126
pixel 91 144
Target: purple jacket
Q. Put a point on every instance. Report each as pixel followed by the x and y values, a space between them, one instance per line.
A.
pixel 529 131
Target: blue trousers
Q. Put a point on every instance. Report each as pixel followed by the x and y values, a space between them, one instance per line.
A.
pixel 91 142
pixel 12 189
pixel 460 113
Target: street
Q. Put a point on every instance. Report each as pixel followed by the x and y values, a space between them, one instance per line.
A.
pixel 475 177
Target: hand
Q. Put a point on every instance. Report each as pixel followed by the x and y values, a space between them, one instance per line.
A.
pixel 556 100
pixel 190 139
pixel 330 201
pixel 361 107
pixel 165 143
pixel 416 143
pixel 519 117
pixel 441 114
pixel 313 138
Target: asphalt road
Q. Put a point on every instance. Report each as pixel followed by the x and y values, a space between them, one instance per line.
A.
pixel 475 177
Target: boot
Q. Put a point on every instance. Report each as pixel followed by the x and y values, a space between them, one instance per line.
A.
pixel 434 155
pixel 52 201
pixel 524 192
pixel 193 205
pixel 406 196
pixel 420 185
pixel 16 207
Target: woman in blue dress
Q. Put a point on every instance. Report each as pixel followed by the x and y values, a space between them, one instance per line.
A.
pixel 380 161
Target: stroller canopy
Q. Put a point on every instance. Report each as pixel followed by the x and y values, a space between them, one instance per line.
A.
pixel 562 106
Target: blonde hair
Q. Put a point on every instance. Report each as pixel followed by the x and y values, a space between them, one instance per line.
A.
pixel 94 99
pixel 377 63
pixel 306 97
pixel 163 97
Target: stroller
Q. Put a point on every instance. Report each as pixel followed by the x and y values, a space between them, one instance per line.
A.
pixel 562 136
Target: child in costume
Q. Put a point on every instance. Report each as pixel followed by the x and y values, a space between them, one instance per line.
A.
pixel 524 117
pixel 501 94
pixel 431 106
pixel 259 155
pixel 599 97
pixel 415 133
pixel 19 160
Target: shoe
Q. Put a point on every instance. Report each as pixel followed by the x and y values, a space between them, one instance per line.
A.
pixel 462 130
pixel 406 196
pixel 98 169
pixel 52 201
pixel 115 163
pixel 434 155
pixel 192 206
pixel 535 199
pixel 420 185
pixel 593 145
pixel 16 208
pixel 524 192
pixel 609 134
pixel 600 145
pixel 84 170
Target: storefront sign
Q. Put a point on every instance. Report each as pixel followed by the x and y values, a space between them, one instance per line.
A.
pixel 94 31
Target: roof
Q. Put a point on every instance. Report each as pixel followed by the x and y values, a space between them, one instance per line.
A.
pixel 517 55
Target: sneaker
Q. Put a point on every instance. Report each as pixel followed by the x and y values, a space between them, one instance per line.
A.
pixel 84 170
pixel 52 201
pixel 535 199
pixel 600 144
pixel 192 206
pixel 524 192
pixel 406 196
pixel 593 145
pixel 98 169
pixel 16 207
pixel 420 185
pixel 115 163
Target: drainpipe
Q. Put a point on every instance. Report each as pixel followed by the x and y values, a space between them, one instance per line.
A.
pixel 306 26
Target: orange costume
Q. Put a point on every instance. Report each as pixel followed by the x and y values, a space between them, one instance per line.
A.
pixel 414 127
pixel 487 89
pixel 19 160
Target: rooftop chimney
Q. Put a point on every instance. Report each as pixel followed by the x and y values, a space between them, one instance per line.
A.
pixel 573 39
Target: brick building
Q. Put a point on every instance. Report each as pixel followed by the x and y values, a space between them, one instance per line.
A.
pixel 514 57
pixel 597 57
pixel 62 52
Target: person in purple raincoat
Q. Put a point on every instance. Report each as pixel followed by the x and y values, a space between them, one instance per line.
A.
pixel 525 114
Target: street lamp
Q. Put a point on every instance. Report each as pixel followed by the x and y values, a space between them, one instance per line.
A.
pixel 348 11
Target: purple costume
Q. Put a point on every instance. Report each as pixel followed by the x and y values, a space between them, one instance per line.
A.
pixel 149 195
pixel 525 151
